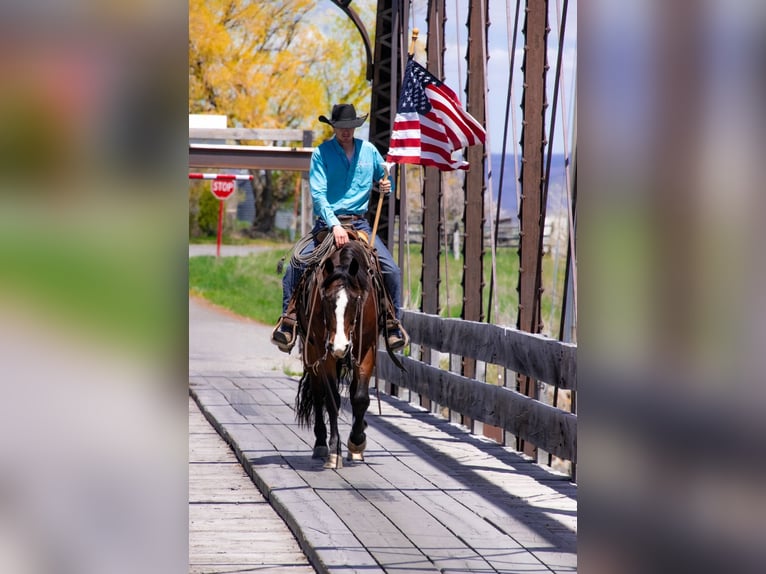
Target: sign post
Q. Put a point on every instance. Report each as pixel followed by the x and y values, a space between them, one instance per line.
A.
pixel 222 186
pixel 222 189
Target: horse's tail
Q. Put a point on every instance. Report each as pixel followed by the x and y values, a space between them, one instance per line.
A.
pixel 304 401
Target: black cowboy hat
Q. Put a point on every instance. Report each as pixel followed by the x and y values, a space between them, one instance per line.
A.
pixel 344 116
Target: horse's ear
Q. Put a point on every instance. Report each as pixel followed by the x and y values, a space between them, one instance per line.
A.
pixel 353 268
pixel 328 267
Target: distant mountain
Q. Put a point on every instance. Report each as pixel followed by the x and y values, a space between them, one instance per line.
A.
pixel 508 206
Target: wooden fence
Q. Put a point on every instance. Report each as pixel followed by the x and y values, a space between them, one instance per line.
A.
pixel 553 362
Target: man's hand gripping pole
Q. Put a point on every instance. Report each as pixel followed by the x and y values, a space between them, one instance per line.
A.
pixel 386 166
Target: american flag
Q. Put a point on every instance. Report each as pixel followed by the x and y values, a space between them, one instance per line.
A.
pixel 430 123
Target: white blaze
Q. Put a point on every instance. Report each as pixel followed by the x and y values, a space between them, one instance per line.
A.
pixel 340 342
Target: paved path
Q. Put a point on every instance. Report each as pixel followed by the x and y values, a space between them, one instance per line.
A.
pixel 429 498
pixel 220 341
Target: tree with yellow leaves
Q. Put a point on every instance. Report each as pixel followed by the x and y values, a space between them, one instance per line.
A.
pixel 275 64
pixel 270 64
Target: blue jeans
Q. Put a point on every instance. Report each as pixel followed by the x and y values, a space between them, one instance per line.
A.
pixel 391 274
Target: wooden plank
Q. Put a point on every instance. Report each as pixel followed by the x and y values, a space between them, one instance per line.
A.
pixel 231 526
pixel 550 361
pixel 246 134
pixel 249 157
pixel 501 551
pixel 248 569
pixel 546 539
pixel 385 541
pixel 549 428
pixel 329 542
pixel 411 470
pixel 411 511
pixel 427 486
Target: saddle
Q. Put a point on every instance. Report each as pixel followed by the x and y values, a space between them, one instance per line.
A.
pixel 353 234
pixel 385 305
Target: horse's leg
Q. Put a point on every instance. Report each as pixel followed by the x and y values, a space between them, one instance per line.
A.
pixel 360 401
pixel 320 429
pixel 335 458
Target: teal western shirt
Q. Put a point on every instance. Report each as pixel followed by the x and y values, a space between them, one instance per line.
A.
pixel 340 186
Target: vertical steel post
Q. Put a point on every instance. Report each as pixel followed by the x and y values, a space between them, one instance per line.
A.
pixel 390 29
pixel 432 186
pixel 531 209
pixel 385 79
pixel 473 216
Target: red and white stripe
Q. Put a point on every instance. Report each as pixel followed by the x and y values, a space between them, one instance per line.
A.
pixel 221 176
pixel 431 138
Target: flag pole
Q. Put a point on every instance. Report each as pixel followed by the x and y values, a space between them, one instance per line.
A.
pixel 414 39
pixel 386 165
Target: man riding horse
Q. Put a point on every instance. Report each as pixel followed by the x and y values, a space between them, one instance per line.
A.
pixel 342 172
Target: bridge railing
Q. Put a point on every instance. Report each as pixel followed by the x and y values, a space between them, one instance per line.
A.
pixel 549 428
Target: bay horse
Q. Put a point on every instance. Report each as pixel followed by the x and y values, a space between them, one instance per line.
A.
pixel 338 319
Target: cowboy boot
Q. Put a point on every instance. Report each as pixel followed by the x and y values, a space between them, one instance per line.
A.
pixel 285 333
pixel 396 336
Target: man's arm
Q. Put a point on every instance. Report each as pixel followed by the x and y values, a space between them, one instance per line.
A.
pixel 318 185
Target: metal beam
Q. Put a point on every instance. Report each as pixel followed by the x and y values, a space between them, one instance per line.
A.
pixel 433 225
pixel 250 157
pixel 473 216
pixel 385 80
pixel 432 181
pixel 344 5
pixel 532 209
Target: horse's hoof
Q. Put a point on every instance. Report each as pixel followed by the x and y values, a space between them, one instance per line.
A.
pixel 320 452
pixel 355 457
pixel 356 451
pixel 334 461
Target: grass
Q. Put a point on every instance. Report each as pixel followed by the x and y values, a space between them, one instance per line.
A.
pixel 249 286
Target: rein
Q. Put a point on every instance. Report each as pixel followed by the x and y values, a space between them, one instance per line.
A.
pixel 313 366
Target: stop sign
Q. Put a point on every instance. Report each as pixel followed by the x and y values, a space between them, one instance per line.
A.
pixel 222 188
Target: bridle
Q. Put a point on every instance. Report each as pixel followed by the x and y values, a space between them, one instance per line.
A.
pixel 357 320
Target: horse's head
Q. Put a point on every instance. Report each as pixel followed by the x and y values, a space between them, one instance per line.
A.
pixel 344 290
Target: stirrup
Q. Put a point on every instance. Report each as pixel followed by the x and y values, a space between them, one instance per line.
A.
pixel 397 337
pixel 285 334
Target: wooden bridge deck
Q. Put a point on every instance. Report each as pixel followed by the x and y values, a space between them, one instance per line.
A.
pixel 429 497
pixel 232 527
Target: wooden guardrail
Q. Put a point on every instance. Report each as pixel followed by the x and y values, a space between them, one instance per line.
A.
pixel 553 362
